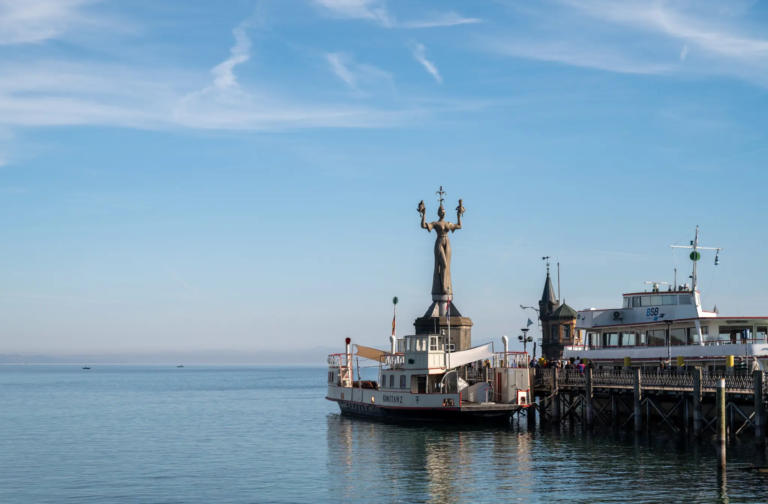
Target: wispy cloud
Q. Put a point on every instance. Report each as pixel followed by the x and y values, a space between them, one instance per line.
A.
pixel 341 70
pixel 377 11
pixel 357 75
pixel 223 73
pixel 441 19
pixel 35 21
pixel 57 93
pixel 181 281
pixel 420 53
pixel 640 36
pixel 374 10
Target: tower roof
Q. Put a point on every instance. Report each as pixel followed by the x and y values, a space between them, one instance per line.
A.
pixel 549 292
pixel 564 311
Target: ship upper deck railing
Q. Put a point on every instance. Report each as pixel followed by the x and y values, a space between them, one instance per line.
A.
pixel 337 360
pixel 394 361
pixel 515 359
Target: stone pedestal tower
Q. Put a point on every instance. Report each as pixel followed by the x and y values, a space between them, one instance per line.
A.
pixel 433 323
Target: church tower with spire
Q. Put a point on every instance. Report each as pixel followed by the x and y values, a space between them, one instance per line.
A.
pixel 558 322
pixel 547 305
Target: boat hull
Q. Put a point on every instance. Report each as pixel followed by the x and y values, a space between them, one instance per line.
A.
pixel 427 415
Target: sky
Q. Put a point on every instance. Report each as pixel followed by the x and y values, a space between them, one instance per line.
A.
pixel 244 175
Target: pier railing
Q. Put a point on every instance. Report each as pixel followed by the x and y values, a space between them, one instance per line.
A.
pixel 651 379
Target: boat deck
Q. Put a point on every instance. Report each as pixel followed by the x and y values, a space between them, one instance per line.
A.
pixel 482 407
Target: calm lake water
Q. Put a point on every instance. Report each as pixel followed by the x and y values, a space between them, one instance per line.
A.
pixel 266 434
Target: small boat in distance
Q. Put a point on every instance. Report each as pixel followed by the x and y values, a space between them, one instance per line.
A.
pixel 86 367
pixel 180 365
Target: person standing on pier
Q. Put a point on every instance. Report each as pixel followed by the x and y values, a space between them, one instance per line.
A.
pixel 755 364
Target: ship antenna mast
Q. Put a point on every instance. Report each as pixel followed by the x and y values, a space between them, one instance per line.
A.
pixel 695 256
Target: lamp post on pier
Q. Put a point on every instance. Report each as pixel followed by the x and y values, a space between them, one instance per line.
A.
pixel 525 339
pixel 538 319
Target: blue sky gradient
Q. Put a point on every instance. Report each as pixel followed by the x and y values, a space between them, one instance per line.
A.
pixel 243 176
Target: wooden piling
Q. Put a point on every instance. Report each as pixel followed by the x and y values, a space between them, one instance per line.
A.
pixel 638 401
pixel 697 418
pixel 588 396
pixel 720 423
pixel 531 413
pixel 614 409
pixel 759 409
pixel 555 397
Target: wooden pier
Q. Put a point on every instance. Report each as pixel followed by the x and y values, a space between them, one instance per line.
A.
pixel 682 401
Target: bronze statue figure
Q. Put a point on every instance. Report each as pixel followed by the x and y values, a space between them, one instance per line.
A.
pixel 441 280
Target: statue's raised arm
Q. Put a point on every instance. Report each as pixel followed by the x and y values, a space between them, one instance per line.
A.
pixel 423 211
pixel 459 212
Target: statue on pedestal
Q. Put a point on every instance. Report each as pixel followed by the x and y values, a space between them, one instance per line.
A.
pixel 441 280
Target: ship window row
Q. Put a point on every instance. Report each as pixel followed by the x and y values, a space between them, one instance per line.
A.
pixel 679 336
pixel 660 300
pixel 392 381
pixel 419 343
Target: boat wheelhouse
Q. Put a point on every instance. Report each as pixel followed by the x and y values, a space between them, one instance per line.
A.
pixel 668 325
pixel 420 379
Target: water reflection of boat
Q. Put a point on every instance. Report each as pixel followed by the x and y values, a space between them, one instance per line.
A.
pixel 669 325
pixel 420 379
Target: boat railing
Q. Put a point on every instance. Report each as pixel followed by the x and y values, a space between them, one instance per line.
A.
pixel 338 360
pixel 515 359
pixel 396 361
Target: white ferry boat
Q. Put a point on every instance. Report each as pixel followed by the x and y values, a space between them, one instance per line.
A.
pixel 420 379
pixel 670 326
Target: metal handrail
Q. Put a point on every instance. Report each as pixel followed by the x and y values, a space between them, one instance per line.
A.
pixel 649 378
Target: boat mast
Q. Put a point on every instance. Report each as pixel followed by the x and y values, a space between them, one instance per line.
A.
pixel 695 256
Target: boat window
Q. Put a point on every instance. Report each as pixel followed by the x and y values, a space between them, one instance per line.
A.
pixel 611 339
pixel 636 301
pixel 678 336
pixel 593 339
pixel 685 299
pixel 391 381
pixel 669 300
pixel 656 300
pixel 626 302
pixel 383 380
pixel 433 343
pixel 640 339
pixel 402 381
pixel 657 337
pixel 762 333
pixel 646 300
pixel 628 339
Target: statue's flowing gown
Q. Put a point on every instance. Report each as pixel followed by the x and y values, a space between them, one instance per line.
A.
pixel 441 280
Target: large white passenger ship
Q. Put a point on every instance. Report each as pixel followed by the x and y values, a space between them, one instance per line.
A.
pixel 669 325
